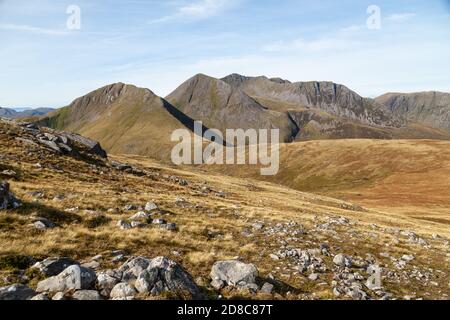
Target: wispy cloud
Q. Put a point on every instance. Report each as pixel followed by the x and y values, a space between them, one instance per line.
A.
pixel 201 9
pixel 32 29
pixel 397 17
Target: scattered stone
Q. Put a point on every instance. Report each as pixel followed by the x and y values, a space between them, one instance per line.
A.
pixel 140 216
pixel 59 296
pixel 313 277
pixel 151 206
pixel 171 226
pixel 124 225
pixel 342 260
pixel 138 224
pixel 159 221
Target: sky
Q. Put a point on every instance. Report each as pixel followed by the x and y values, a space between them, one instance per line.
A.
pixel 50 54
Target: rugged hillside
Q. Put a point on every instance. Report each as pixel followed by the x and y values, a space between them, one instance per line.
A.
pixel 124 118
pixel 330 97
pixel 427 108
pixel 105 221
pixel 12 114
pixel 222 106
pixel 325 110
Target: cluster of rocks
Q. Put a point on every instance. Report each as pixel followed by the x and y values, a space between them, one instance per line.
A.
pixel 144 218
pixel 7 199
pixel 58 141
pixel 137 278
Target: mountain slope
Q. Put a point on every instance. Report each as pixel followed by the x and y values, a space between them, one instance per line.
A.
pixel 124 118
pixel 428 108
pixel 326 110
pixel 222 106
pixel 330 97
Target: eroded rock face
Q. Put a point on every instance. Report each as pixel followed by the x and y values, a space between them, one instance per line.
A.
pixel 164 275
pixel 16 292
pixel 7 199
pixel 72 278
pixel 234 273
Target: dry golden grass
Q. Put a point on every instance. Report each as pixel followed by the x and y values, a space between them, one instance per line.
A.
pixel 247 200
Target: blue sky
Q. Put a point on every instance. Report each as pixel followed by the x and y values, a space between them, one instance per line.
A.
pixel 158 44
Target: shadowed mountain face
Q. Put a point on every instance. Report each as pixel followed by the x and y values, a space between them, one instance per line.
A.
pixel 222 106
pixel 428 108
pixel 13 114
pixel 124 118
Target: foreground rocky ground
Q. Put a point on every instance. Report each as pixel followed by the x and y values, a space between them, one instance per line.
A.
pixel 76 225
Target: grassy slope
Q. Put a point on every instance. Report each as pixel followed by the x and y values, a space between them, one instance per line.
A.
pixel 246 201
pixel 407 176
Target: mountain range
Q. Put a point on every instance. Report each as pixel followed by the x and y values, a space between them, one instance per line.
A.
pixel 131 120
pixel 13 114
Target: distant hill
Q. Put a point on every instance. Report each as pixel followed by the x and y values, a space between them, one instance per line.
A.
pixel 427 108
pixel 13 114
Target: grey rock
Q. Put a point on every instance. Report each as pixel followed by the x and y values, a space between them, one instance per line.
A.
pixel 217 284
pixel 140 216
pixel 123 291
pixel 87 295
pixel 133 268
pixel 7 199
pixel 59 296
pixel 138 224
pixel 234 273
pixel 313 276
pixel 342 260
pixel 40 297
pixel 159 221
pixel 107 280
pixel 54 266
pixel 165 275
pixel 16 292
pixel 72 278
pixel 151 206
pixel 171 226
pixel 124 225
pixel 267 288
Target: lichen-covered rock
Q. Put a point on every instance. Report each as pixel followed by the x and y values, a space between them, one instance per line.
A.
pixel 234 273
pixel 54 266
pixel 72 278
pixel 164 275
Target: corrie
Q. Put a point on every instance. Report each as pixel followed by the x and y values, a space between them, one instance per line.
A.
pixel 239 147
